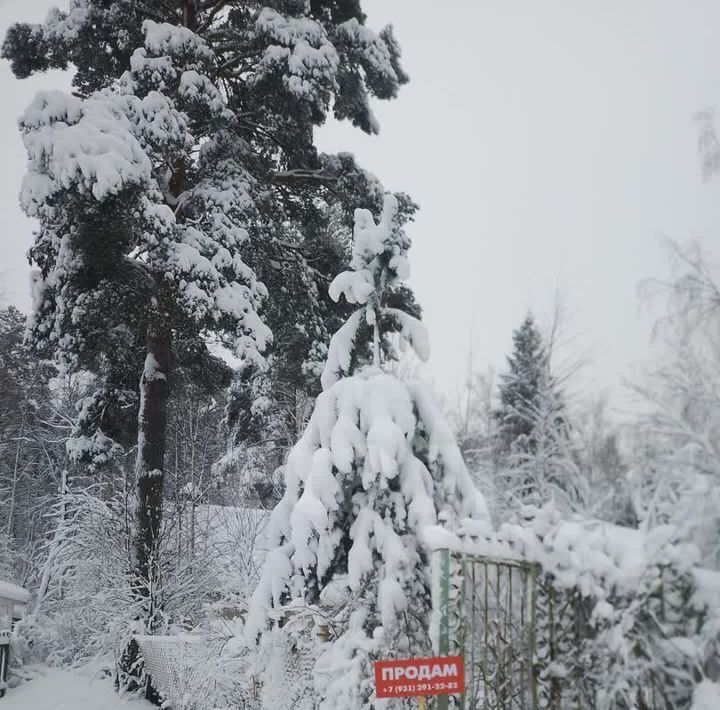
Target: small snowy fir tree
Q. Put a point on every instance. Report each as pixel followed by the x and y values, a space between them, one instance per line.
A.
pixel 520 387
pixel 375 466
pixel 537 461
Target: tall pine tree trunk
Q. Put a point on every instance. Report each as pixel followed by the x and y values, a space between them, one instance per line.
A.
pixel 149 479
pixel 190 14
pixel 152 417
pixel 150 462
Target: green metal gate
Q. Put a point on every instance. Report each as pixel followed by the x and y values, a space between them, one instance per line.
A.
pixel 488 615
pixel 522 638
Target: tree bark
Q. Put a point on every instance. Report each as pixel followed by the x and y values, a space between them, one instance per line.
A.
pixel 149 465
pixel 149 480
pixel 190 14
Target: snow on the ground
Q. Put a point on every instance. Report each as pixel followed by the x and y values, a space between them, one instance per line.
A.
pixel 706 696
pixel 62 689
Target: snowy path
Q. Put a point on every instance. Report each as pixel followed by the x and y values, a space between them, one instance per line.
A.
pixel 68 690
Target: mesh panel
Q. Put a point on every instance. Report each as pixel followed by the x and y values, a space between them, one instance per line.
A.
pixel 177 666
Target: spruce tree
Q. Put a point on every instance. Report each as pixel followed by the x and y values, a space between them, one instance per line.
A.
pixel 520 386
pixel 376 465
pixel 536 456
pixel 185 149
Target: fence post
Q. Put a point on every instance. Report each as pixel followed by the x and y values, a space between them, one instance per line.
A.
pixel 444 641
pixel 4 660
pixel 534 581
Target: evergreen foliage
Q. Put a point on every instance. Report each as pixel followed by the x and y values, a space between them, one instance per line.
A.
pixel 520 387
pixel 376 465
pixel 164 185
pixel 270 402
pixel 536 458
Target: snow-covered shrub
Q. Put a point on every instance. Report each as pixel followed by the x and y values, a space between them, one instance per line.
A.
pixel 675 477
pixel 84 601
pixel 87 604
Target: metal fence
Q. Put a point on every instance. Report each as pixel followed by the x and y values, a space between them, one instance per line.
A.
pixel 488 615
pixel 497 599
pixel 520 636
pixel 177 669
pixel 190 673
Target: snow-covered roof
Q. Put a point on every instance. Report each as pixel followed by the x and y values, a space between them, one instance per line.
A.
pixel 8 590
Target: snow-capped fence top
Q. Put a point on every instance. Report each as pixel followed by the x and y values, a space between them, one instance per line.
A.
pixel 591 555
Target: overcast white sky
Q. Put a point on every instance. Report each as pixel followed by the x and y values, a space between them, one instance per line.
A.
pixel 549 143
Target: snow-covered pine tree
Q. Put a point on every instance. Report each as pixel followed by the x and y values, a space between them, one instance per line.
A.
pixel 187 141
pixel 269 405
pixel 520 385
pixel 376 464
pixel 536 457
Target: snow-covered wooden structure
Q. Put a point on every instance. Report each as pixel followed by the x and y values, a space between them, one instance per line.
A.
pixel 12 605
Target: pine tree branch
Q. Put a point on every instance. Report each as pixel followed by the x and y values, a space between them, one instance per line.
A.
pixel 302 177
pixel 215 6
pixel 161 10
pixel 237 73
pixel 142 269
pixel 148 10
pixel 228 64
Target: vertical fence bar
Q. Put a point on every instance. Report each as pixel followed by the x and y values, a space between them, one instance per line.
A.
pixel 508 633
pixel 499 660
pixel 486 582
pixel 444 640
pixel 4 660
pixel 473 677
pixel 531 637
pixel 462 628
pixel 523 650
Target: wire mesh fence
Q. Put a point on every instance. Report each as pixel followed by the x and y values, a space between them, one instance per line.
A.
pixel 180 670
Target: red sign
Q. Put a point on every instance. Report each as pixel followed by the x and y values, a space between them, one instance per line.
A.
pixel 413 677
